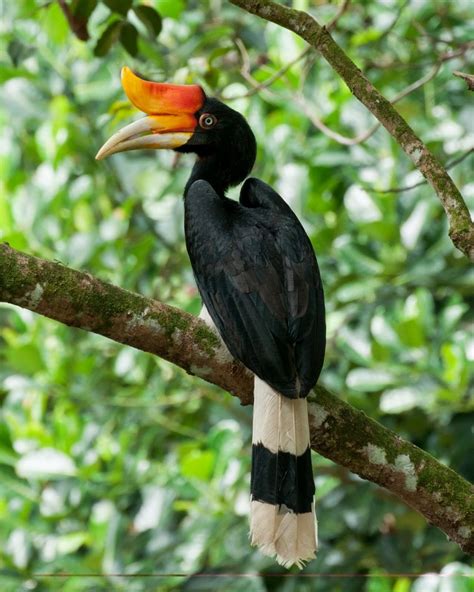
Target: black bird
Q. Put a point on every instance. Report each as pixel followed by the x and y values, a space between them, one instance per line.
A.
pixel 259 281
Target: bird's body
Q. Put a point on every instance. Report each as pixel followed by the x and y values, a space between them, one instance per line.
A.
pixel 258 278
pixel 259 281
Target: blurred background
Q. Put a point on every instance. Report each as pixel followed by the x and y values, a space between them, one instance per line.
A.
pixel 113 461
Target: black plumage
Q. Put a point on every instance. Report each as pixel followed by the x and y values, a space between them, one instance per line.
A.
pixel 258 277
pixel 282 479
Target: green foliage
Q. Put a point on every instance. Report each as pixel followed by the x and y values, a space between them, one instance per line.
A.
pixel 112 461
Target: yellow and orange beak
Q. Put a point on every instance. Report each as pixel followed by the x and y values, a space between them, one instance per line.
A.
pixel 170 120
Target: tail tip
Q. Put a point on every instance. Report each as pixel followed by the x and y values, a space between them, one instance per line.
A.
pixel 283 559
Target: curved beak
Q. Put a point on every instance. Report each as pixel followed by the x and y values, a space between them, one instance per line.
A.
pixel 170 122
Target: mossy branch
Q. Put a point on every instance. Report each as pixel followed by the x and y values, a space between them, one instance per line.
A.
pixel 338 431
pixel 461 227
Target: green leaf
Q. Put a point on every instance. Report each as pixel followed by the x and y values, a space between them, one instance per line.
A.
pixel 150 18
pixel 68 543
pixel 82 9
pixel 198 464
pixel 218 52
pixel 378 583
pixel 55 24
pixel 452 362
pixel 7 73
pixel 411 333
pixel 25 359
pixel 129 38
pixel 118 6
pixel 402 585
pixel 170 8
pixel 365 36
pixel 108 38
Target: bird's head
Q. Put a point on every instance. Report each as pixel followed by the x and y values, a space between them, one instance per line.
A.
pixel 183 118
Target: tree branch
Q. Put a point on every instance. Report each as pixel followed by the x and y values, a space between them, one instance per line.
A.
pixel 461 227
pixel 371 131
pixel 338 431
pixel 259 86
pixel 448 165
pixel 468 78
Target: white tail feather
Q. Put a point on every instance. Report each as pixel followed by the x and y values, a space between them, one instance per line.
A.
pixel 290 538
pixel 281 424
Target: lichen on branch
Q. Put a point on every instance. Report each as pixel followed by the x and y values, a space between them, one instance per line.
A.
pixel 338 431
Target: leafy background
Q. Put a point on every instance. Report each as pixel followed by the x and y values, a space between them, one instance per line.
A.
pixel 115 462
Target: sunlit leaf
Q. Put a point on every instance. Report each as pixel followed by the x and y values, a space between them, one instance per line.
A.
pixel 198 463
pixel 25 358
pixel 399 400
pixel 369 379
pixel 55 24
pixel 170 8
pixel 46 463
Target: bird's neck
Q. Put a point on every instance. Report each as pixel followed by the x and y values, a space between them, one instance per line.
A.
pixel 225 168
pixel 208 168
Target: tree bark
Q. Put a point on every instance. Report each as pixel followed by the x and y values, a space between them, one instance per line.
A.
pixel 461 227
pixel 338 431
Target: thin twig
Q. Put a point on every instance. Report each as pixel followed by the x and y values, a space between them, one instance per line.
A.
pixel 259 86
pixel 424 33
pixel 392 25
pixel 449 165
pixel 468 78
pixel 449 55
pixel 346 141
pixel 342 9
pixel 300 99
pixel 246 65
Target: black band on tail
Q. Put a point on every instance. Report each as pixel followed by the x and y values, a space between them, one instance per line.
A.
pixel 282 479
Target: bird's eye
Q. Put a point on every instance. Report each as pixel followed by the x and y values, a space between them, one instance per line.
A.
pixel 207 120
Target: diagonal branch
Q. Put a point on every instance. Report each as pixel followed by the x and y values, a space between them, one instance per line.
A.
pixel 259 86
pixel 461 227
pixel 338 431
pixel 346 141
pixel 448 165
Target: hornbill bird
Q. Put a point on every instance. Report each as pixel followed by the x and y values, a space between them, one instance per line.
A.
pixel 259 282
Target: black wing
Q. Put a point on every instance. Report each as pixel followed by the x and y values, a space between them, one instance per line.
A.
pixel 258 277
